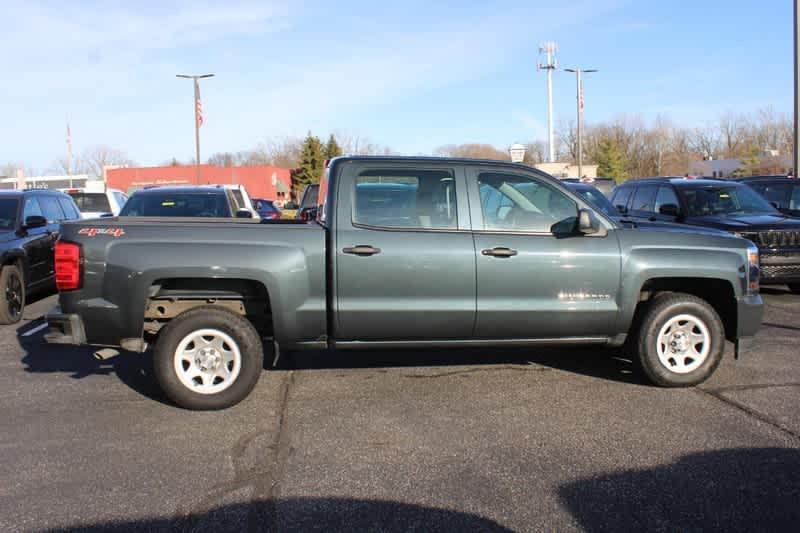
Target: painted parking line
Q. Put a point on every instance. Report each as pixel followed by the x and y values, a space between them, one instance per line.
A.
pixel 37 329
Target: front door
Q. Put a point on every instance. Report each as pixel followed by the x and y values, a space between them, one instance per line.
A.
pixel 535 280
pixel 37 244
pixel 405 258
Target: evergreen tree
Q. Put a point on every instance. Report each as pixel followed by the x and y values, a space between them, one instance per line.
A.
pixel 312 162
pixel 332 148
pixel 610 160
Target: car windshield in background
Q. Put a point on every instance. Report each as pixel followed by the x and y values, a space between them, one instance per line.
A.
pixel 265 205
pixel 596 198
pixel 91 202
pixel 731 200
pixel 176 205
pixel 8 212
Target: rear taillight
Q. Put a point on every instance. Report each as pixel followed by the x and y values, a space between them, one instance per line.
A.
pixel 68 266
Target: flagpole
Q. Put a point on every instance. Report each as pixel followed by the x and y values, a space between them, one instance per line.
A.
pixel 69 152
pixel 579 104
pixel 197 118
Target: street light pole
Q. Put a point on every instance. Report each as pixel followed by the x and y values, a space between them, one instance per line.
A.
pixel 579 104
pixel 197 116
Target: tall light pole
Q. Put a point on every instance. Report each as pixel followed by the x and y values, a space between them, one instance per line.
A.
pixel 198 115
pixel 549 48
pixel 579 97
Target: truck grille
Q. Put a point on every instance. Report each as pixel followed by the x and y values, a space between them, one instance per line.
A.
pixel 780 271
pixel 774 238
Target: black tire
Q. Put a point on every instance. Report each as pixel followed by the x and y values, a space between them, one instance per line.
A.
pixel 240 331
pixel 794 287
pixel 12 298
pixel 663 308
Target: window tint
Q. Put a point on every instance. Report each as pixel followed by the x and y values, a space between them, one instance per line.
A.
pixel 32 208
pixel 177 205
pixel 91 202
pixel 776 193
pixel 120 198
pixel 666 196
pixel 794 201
pixel 51 208
pixel 621 197
pixel 69 208
pixel 424 199
pixel 644 198
pixel 8 212
pixel 519 203
pixel 724 200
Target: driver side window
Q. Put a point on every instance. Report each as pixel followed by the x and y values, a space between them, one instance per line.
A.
pixel 519 203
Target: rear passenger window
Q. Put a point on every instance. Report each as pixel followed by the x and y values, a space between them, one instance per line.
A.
pixel 421 199
pixel 51 208
pixel 69 208
pixel 644 198
pixel 621 197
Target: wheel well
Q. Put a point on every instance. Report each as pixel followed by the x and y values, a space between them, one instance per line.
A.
pixel 717 292
pixel 169 297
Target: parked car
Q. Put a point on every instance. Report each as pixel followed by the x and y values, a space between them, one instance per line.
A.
pixel 210 201
pixel 780 191
pixel 308 203
pixel 406 253
pixel 725 205
pixel 242 198
pixel 94 202
pixel 603 184
pixel 267 209
pixel 29 226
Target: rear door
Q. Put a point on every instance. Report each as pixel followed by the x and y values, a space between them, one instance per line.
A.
pixel 404 253
pixel 531 282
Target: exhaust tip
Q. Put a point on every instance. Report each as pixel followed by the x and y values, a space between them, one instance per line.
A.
pixel 105 354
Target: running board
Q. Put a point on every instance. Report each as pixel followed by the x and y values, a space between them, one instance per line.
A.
pixel 466 343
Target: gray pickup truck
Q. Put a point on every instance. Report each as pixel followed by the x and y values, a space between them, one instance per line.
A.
pixel 405 253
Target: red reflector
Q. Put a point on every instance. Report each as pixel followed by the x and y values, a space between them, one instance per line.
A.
pixel 68 266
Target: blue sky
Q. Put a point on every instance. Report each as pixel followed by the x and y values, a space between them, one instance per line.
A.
pixel 410 75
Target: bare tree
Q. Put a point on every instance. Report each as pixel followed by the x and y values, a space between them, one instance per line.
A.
pixel 477 151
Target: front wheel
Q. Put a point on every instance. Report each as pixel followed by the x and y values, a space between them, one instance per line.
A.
pixel 681 340
pixel 208 358
pixel 12 302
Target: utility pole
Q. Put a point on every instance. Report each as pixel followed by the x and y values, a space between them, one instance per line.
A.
pixel 549 48
pixel 579 97
pixel 198 115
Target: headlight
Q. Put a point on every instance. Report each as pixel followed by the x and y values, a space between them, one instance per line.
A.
pixel 753 272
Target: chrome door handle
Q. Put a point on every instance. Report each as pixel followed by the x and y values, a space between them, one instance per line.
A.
pixel 499 251
pixel 361 249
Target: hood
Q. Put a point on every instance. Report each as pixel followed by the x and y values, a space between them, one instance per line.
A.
pixel 753 222
pixel 667 226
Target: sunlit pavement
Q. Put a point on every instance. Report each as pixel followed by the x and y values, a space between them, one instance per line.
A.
pixel 455 440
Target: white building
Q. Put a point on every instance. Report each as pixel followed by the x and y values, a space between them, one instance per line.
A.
pixel 567 170
pixel 714 168
pixel 45 182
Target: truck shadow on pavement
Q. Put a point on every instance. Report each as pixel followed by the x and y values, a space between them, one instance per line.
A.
pixel 727 490
pixel 311 514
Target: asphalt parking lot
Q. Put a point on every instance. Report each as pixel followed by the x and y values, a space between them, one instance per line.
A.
pixel 472 440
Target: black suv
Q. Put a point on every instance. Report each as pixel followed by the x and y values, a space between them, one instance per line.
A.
pixel 725 205
pixel 29 224
pixel 782 192
pixel 212 201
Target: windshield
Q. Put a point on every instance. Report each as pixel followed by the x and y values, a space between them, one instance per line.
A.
pixel 91 202
pixel 8 212
pixel 176 205
pixel 724 200
pixel 596 198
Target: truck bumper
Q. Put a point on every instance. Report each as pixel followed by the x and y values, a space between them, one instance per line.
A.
pixel 750 312
pixel 64 328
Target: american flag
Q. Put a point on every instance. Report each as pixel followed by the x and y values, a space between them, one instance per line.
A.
pixel 580 98
pixel 198 105
pixel 69 139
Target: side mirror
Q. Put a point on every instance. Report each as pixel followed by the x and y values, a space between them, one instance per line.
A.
pixel 775 205
pixel 589 225
pixel 35 221
pixel 244 213
pixel 669 210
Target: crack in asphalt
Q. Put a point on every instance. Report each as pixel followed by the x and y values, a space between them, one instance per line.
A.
pixel 263 477
pixel 527 368
pixel 719 395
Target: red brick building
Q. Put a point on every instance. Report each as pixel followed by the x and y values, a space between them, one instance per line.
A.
pixel 271 183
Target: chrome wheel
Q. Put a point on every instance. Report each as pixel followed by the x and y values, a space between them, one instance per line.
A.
pixel 14 295
pixel 207 361
pixel 684 343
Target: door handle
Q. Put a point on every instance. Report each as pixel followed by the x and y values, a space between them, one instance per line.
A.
pixel 499 251
pixel 361 249
pixel 652 219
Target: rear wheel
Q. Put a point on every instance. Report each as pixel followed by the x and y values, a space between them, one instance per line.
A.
pixel 680 341
pixel 208 358
pixel 794 287
pixel 12 302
